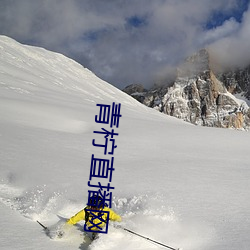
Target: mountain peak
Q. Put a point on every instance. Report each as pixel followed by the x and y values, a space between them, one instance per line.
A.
pixel 197 64
pixel 200 96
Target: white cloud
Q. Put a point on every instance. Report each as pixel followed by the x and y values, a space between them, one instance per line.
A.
pixel 97 32
pixel 228 28
pixel 233 50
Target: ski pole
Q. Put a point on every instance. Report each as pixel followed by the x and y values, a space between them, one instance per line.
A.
pixel 150 239
pixel 45 228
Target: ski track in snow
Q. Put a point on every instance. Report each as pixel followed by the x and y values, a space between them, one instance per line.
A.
pixel 143 214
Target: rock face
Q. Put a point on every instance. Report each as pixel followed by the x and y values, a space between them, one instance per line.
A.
pixel 237 81
pixel 137 91
pixel 200 97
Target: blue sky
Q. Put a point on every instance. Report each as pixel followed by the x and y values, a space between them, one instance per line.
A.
pixel 131 41
pixel 218 17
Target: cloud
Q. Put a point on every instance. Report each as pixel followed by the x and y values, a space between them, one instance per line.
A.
pixel 228 28
pixel 121 41
pixel 233 49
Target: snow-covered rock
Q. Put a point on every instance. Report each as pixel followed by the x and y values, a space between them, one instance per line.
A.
pixel 199 97
pixel 237 81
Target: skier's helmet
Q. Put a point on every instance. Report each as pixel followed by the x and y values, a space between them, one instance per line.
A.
pixel 95 201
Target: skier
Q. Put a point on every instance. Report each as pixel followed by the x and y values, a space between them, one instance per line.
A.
pixel 100 218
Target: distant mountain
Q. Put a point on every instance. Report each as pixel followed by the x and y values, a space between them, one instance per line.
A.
pixel 201 95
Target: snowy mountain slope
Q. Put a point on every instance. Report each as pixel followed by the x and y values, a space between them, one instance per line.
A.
pixel 182 185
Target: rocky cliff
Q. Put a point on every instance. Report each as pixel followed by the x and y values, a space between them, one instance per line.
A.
pixel 200 96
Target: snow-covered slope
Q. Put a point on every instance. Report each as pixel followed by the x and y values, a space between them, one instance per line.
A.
pixel 176 183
